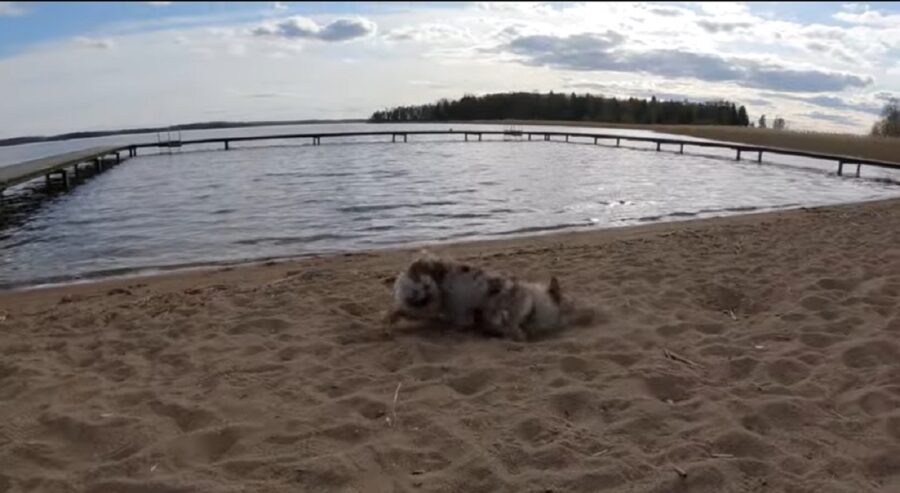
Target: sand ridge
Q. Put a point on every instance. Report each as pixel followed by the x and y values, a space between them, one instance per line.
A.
pixel 755 353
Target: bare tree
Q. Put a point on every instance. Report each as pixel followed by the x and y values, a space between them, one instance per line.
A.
pixel 779 123
pixel 889 125
pixel 762 122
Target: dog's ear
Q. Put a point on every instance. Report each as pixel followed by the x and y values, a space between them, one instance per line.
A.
pixel 554 291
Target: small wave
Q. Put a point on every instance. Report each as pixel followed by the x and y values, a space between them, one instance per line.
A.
pixel 289 240
pixel 379 228
pixel 538 229
pixel 645 219
pixel 387 207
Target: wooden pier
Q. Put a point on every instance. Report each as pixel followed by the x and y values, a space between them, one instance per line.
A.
pixel 59 165
pixel 671 143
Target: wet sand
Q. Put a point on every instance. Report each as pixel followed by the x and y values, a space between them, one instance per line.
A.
pixel 739 354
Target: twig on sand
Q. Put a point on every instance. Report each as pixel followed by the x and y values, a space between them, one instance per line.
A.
pixel 730 313
pixel 601 453
pixel 392 419
pixel 681 472
pixel 681 359
pixel 721 456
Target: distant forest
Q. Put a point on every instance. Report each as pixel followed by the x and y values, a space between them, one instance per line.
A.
pixel 569 107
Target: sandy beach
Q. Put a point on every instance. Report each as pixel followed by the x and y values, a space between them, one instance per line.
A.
pixel 742 354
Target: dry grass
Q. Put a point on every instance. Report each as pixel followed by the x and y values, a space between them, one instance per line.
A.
pixel 862 146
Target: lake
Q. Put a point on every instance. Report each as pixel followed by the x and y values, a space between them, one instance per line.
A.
pixel 285 198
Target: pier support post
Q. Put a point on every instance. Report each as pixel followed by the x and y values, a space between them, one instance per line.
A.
pixel 738 156
pixel 567 137
pixel 47 180
pixel 479 137
pixel 77 171
pixel 681 150
pixel 467 137
pixel 595 140
pixel 759 157
pixel 617 142
pixel 118 157
pixel 393 138
pixel 840 168
pixel 404 137
pixel 546 136
pixel 858 165
pixel 97 165
pixel 529 137
pixel 64 178
pixel 657 146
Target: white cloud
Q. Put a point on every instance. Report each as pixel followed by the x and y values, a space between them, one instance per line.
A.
pixel 159 4
pixel 429 33
pixel 11 9
pixel 606 52
pixel 344 29
pixel 96 43
pixel 864 16
pixel 280 6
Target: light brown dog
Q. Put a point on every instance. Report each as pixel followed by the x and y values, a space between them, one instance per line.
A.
pixel 437 289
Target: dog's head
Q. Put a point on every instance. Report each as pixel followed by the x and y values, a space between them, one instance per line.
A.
pixel 416 289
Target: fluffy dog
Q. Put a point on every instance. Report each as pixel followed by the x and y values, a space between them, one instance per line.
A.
pixel 435 289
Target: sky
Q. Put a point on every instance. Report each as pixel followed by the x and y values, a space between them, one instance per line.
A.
pixel 90 66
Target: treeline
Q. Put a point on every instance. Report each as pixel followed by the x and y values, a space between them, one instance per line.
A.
pixel 570 107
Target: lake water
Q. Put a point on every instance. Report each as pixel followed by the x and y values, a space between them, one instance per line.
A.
pixel 284 198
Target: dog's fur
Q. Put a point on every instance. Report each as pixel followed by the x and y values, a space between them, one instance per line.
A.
pixel 436 289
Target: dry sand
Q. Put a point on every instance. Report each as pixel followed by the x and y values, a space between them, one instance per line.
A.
pixel 783 327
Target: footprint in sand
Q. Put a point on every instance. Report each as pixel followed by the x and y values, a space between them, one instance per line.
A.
pixel 787 372
pixel 186 418
pixel 206 446
pixel 472 382
pixel 871 354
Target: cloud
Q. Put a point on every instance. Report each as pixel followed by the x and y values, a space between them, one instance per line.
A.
pixel 865 17
pixel 429 84
pixel 159 4
pixel 427 33
pixel 835 102
pixel 830 117
pixel 605 52
pixel 95 43
pixel 270 95
pixel 11 9
pixel 666 11
pixel 344 29
pixel 280 6
pixel 723 26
